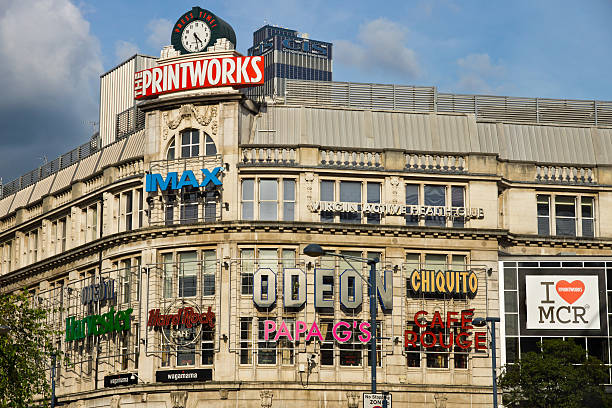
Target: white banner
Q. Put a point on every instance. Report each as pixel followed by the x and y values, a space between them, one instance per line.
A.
pixel 562 302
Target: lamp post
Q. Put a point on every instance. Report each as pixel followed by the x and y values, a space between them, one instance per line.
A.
pixel 480 322
pixel 315 251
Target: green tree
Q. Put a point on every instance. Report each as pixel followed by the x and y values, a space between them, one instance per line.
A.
pixel 25 353
pixel 561 376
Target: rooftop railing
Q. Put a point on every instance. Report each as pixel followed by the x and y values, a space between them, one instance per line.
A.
pixel 427 99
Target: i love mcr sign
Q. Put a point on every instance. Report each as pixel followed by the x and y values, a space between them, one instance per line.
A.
pixel 563 302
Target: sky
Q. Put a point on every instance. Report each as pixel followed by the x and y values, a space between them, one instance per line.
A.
pixel 52 53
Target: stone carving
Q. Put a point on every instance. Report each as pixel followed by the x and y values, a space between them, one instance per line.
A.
pixel 395 182
pixel 266 398
pixel 206 116
pixel 353 399
pixel 223 393
pixel 440 400
pixel 114 402
pixel 178 399
pixel 309 177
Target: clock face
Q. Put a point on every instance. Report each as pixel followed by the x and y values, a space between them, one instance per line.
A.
pixel 195 36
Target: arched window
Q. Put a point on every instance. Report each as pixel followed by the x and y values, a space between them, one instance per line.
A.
pixel 170 154
pixel 190 143
pixel 211 149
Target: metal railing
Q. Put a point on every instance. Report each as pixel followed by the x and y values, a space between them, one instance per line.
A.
pixel 65 160
pixel 427 99
pixel 129 122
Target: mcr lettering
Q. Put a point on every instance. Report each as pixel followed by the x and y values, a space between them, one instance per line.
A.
pixel 199 73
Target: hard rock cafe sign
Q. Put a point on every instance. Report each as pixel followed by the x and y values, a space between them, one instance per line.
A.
pixel 182 322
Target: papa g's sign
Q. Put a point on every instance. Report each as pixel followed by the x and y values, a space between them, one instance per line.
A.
pixel 188 178
pixel 95 325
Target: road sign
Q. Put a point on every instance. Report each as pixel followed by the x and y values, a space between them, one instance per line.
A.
pixel 376 400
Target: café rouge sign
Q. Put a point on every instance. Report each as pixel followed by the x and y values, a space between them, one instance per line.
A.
pixel 199 73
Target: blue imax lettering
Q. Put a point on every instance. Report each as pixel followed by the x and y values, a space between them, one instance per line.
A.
pixel 172 181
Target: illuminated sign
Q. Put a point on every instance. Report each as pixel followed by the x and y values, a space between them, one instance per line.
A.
pixel 98 292
pixel 199 73
pixel 293 44
pixel 117 380
pixel 342 331
pixel 432 333
pixel 186 316
pixel 199 374
pixel 173 182
pixel 464 213
pixel 562 302
pixel 294 288
pixel 450 283
pixel 96 325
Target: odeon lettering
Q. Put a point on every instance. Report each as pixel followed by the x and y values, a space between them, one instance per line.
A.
pixel 99 292
pixel 450 283
pixel 173 182
pixel 96 325
pixel 294 288
pixel 432 333
pixel 342 331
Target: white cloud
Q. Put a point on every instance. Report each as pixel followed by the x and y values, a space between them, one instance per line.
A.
pixel 159 33
pixel 382 47
pixel 50 55
pixel 477 73
pixel 124 50
pixel 51 64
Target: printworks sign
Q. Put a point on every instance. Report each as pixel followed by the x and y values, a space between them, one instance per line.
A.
pixel 197 74
pixel 464 213
pixel 562 302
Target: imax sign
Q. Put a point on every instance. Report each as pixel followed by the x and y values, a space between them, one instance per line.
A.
pixel 187 178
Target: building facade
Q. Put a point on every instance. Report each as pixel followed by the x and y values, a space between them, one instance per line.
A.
pixel 289 54
pixel 172 259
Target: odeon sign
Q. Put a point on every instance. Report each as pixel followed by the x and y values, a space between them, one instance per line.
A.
pixel 188 178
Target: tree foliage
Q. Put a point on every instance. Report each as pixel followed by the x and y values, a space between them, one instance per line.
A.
pixel 561 376
pixel 25 353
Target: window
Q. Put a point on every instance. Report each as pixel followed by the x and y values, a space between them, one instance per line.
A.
pixel 209 267
pixel 327 194
pixel 413 350
pixel 140 193
pixel 187 273
pixel 435 196
pixel 286 346
pixel 327 347
pixel 379 334
pixel 247 266
pixel 210 149
pixel 350 192
pixel 93 222
pixel 168 271
pixel 266 350
pixel 170 154
pixel 190 143
pixel 275 199
pixel 185 354
pixel 7 252
pixel 246 340
pixel 248 198
pixel 437 356
pixel 126 266
pixel 129 209
pixel 208 345
pixel 566 215
pixel 268 199
pixel 373 196
pixel 189 205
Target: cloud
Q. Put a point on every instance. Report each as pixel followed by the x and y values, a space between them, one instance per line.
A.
pixel 159 33
pixel 477 72
pixel 49 80
pixel 382 48
pixel 124 50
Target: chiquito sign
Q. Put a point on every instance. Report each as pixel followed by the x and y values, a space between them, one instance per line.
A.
pixel 199 73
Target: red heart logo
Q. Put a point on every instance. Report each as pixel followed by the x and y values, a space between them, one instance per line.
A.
pixel 570 292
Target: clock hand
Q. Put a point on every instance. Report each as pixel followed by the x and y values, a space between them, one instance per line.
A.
pixel 197 38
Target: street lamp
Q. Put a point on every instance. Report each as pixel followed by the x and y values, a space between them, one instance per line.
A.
pixel 315 251
pixel 481 322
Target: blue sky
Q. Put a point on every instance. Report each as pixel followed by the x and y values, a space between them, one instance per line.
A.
pixel 50 66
